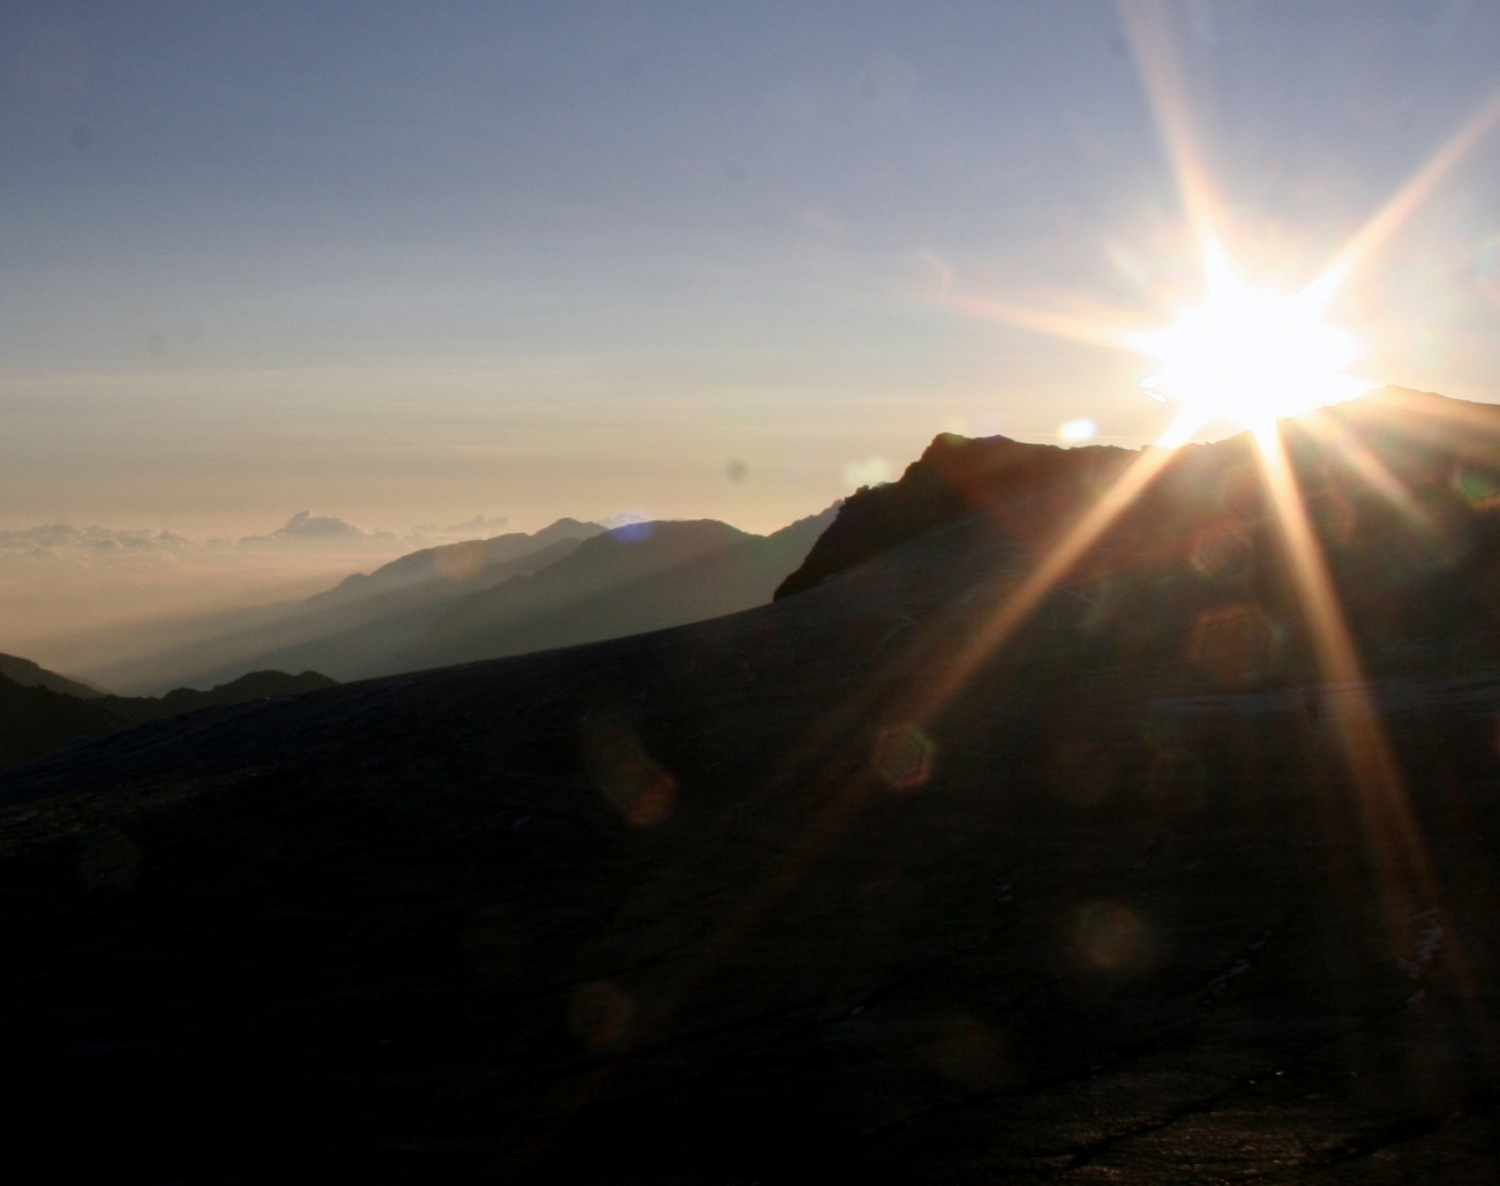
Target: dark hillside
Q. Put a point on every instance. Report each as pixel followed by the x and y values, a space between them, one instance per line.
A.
pixel 1026 491
pixel 36 720
pixel 256 685
pixel 34 675
pixel 726 904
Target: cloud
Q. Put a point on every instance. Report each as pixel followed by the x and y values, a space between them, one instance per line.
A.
pixel 304 532
pixel 427 535
pixel 60 541
pixel 304 529
pixel 82 597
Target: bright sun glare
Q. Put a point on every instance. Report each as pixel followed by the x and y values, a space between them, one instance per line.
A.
pixel 1252 357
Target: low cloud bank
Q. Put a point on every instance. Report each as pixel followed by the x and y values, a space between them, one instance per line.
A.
pixel 58 541
pixel 81 598
pixel 61 541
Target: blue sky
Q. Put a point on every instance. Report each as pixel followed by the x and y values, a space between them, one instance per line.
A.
pixel 411 262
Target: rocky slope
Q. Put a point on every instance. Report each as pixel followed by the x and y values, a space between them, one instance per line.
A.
pixel 725 904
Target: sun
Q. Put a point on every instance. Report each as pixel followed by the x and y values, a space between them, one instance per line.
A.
pixel 1251 356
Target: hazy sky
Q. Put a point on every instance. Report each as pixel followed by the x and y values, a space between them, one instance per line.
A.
pixel 410 262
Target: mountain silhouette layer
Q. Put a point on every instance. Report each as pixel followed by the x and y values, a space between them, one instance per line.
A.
pixel 33 675
pixel 637 578
pixel 569 583
pixel 1028 486
pixel 734 902
pixel 254 685
pixel 461 563
pixel 35 719
pixel 392 605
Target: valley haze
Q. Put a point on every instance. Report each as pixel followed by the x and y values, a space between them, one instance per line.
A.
pixel 568 583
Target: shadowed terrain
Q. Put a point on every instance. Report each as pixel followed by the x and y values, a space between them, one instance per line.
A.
pixel 721 904
pixel 45 713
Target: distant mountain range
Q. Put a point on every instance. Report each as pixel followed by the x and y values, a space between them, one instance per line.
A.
pixel 227 644
pixel 569 583
pixel 630 580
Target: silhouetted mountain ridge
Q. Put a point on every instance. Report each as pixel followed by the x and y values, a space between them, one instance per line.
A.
pixel 469 560
pixel 954 477
pixel 289 637
pixel 638 577
pixel 254 685
pixel 35 720
pixel 33 675
pixel 1206 497
pixel 645 576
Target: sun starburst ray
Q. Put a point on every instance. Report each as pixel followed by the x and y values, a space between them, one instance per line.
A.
pixel 1148 31
pixel 1250 356
pixel 1404 875
pixel 1053 566
pixel 1058 325
pixel 1371 469
pixel 1400 206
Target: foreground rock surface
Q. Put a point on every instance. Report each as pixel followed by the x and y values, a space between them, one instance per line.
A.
pixel 714 905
